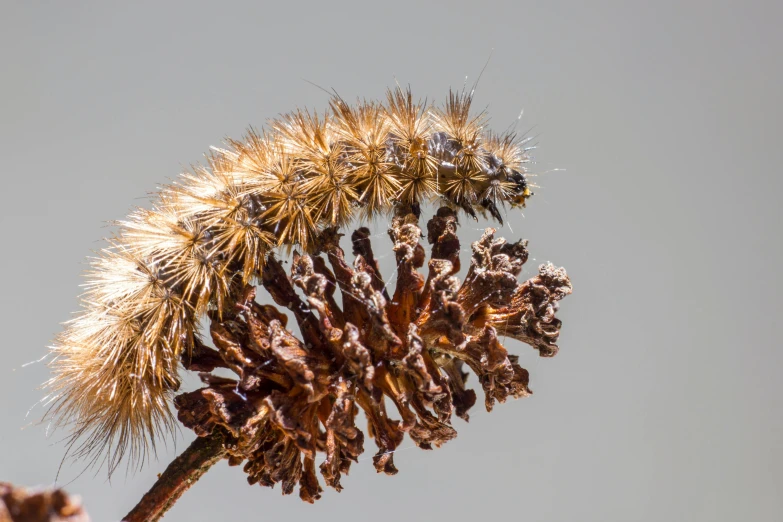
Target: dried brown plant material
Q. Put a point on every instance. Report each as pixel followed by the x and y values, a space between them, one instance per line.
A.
pixel 292 398
pixel 39 505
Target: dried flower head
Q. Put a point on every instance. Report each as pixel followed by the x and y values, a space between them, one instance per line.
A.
pixel 292 398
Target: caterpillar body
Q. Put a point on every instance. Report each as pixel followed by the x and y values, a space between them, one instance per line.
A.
pixel 116 364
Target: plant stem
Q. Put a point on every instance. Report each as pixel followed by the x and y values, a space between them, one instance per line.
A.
pixel 179 476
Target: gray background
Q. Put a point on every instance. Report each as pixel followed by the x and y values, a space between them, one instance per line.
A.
pixel 664 402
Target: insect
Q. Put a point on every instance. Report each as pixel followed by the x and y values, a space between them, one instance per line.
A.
pixel 116 364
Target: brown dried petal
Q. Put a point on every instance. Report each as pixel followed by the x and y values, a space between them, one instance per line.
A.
pixel 354 299
pixel 306 368
pixel 491 279
pixel 442 235
pixel 385 431
pixel 443 316
pixel 498 375
pixel 530 316
pixel 309 488
pixel 319 265
pixel 376 327
pixel 417 369
pixel 294 418
pixel 344 442
pixel 362 248
pixel 193 411
pixel 410 256
pixel 318 290
pixel 282 291
pixel 358 357
pixel 429 430
pixel 202 358
pixel 462 398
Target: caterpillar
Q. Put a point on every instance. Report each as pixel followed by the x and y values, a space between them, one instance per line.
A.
pixel 115 365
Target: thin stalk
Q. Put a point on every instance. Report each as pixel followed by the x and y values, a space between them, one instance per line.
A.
pixel 179 476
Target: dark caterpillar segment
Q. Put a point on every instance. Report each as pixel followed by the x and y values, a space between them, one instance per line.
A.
pixel 489 187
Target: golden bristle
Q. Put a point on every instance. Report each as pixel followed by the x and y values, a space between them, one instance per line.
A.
pixel 509 155
pixel 364 130
pixel 410 128
pixel 246 242
pixel 184 248
pixel 463 187
pixel 221 204
pixel 455 119
pixel 104 395
pixel 278 171
pixel 205 193
pixel 507 148
pixel 295 224
pixel 330 196
pixel 464 131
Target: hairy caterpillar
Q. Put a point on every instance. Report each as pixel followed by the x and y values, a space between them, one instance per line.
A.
pixel 116 363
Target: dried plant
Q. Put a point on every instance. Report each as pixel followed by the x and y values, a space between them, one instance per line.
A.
pixel 39 505
pixel 292 397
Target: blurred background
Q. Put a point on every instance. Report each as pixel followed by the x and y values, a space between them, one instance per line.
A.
pixel 664 402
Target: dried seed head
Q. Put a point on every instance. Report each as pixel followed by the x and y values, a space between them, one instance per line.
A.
pixel 293 398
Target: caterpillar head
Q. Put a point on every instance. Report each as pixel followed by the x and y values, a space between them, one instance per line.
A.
pixel 506 186
pixel 520 191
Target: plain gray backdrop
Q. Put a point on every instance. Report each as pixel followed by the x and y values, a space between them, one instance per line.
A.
pixel 664 402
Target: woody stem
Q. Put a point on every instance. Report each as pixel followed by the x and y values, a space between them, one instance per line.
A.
pixel 178 477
